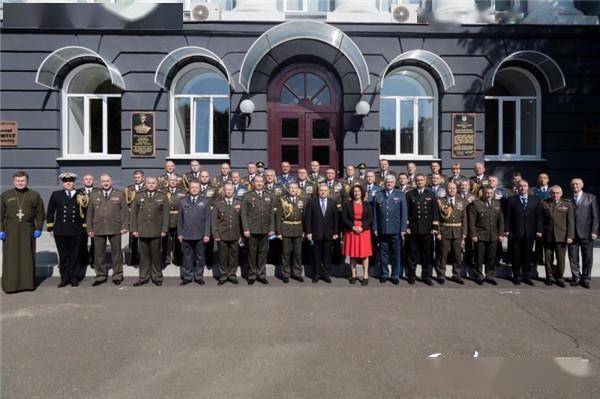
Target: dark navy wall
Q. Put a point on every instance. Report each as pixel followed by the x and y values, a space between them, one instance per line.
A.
pixel 470 51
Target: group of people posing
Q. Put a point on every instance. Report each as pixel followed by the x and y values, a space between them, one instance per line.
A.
pixel 393 220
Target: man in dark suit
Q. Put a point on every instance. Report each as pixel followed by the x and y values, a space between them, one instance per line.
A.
pixel 586 231
pixel 321 227
pixel 384 170
pixel 389 225
pixel 524 223
pixel 65 221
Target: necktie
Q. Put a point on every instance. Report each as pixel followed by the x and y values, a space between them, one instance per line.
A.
pixel 524 203
pixel 577 199
pixel 452 202
pixel 369 189
pixel 69 194
pixel 229 202
pixel 193 200
pixel 323 207
pixel 106 194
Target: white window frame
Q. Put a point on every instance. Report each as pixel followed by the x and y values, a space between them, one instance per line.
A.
pixel 86 155
pixel 415 100
pixel 192 97
pixel 538 122
pixel 304 8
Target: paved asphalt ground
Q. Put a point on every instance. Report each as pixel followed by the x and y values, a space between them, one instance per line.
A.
pixel 295 341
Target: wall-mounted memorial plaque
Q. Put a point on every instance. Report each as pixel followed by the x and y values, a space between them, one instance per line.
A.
pixel 9 133
pixel 143 136
pixel 463 135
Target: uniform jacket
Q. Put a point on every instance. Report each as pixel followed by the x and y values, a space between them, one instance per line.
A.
pixel 453 219
pixel 475 184
pixel 541 194
pixel 390 212
pixel 226 220
pixel 258 214
pixel 559 220
pixel 485 222
pixel 523 223
pixel 307 188
pixel 107 216
pixel 193 221
pixel 370 194
pixel 422 212
pixel 275 189
pixel 321 227
pixel 289 216
pixel 174 199
pixel 587 218
pixel 380 178
pixel 64 216
pixel 150 216
pixel 284 180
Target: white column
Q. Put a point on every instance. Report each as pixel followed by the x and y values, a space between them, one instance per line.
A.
pixel 357 10
pixel 559 12
pixel 254 10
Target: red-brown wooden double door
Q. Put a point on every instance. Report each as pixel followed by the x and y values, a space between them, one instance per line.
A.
pixel 304 114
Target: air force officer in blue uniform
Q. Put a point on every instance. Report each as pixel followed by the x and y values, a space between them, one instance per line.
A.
pixel 389 225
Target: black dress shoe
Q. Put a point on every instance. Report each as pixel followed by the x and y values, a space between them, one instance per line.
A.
pixel 364 281
pixel 382 279
pixel 157 283
pixel 62 285
pixel 315 279
pixel 200 281
pixel 560 283
pixel 140 283
pixel 299 279
pixel 98 282
pixel 548 282
pixel 427 281
pixel 411 280
pixel 585 284
pixel 352 280
pixel 479 281
pixel 459 280
pixel 441 280
pixel 234 280
pixel 394 281
pixel 74 283
pixel 528 281
pixel 516 281
pixel 251 281
pixel 222 281
pixel 327 279
pixel 184 282
pixel 117 282
pixel 286 280
pixel 262 280
pixel 573 282
pixel 491 281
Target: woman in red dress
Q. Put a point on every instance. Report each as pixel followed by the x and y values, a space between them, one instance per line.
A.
pixel 356 219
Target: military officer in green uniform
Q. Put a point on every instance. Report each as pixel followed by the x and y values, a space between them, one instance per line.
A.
pixel 486 227
pixel 350 181
pixel 170 245
pixel 207 190
pixel 271 185
pixel 224 176
pixel 249 178
pixel 150 222
pixel 163 180
pixel 306 187
pixel 452 232
pixel 290 213
pixel 130 193
pixel 559 231
pixel 193 174
pixel 258 224
pixel 107 218
pixel 315 176
pixel 227 232
pixel 21 222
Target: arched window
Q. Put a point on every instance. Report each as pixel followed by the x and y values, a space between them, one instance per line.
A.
pixel 305 89
pixel 91 114
pixel 200 112
pixel 408 115
pixel 512 116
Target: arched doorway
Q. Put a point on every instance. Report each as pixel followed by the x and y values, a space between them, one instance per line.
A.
pixel 304 116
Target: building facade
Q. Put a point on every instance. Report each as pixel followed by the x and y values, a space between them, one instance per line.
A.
pixel 338 83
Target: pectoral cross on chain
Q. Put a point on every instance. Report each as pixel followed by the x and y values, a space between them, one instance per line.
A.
pixel 20 215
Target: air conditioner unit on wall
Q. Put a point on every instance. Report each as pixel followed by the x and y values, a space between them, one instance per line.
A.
pixel 405 14
pixel 201 11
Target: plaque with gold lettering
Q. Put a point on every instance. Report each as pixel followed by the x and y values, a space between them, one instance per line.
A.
pixel 9 133
pixel 143 135
pixel 463 135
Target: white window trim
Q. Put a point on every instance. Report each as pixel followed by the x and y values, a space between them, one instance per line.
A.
pixel 415 100
pixel 517 156
pixel 104 155
pixel 192 97
pixel 304 9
